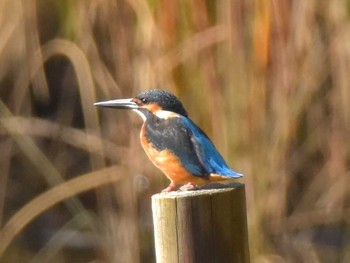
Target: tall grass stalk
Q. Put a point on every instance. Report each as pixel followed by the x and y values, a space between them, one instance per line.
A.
pixel 267 80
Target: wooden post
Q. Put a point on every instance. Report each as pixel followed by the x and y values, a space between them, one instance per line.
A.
pixel 201 226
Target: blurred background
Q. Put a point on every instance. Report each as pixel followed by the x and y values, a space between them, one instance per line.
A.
pixel 268 80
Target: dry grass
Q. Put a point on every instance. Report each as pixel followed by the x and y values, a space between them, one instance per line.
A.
pixel 267 80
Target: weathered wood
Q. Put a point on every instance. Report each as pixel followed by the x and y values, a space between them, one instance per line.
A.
pixel 167 221
pixel 201 226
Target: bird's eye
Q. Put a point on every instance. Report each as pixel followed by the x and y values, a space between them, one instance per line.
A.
pixel 143 100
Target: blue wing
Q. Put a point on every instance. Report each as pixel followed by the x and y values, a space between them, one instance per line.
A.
pixel 189 143
pixel 208 156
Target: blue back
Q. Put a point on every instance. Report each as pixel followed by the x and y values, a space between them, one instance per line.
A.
pixel 209 157
pixel 188 143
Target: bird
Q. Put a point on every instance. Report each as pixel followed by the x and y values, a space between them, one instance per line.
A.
pixel 173 142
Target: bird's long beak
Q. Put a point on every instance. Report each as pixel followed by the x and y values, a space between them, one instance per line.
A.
pixel 118 104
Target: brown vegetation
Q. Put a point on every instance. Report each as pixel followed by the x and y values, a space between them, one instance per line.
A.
pixel 267 80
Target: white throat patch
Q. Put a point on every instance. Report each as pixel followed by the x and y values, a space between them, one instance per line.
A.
pixel 163 114
pixel 140 113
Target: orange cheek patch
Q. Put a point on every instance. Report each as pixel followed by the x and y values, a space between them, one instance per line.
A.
pixel 136 100
pixel 153 107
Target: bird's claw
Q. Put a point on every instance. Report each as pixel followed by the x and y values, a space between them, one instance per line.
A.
pixel 170 188
pixel 189 187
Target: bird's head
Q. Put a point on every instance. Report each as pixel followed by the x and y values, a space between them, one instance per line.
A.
pixel 151 100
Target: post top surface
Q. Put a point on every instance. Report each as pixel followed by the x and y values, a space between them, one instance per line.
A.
pixel 207 189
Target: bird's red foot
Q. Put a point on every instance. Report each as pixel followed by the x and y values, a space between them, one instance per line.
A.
pixel 189 187
pixel 170 188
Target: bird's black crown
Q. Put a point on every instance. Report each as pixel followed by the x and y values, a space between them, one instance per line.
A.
pixel 166 100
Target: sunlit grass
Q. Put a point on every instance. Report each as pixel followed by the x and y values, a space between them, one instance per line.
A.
pixel 267 80
pixel 53 196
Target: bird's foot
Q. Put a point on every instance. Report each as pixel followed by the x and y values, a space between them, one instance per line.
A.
pixel 170 188
pixel 189 187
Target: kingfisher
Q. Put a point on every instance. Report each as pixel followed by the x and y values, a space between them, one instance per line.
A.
pixel 173 142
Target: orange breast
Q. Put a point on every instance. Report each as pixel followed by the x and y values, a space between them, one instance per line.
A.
pixel 169 164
